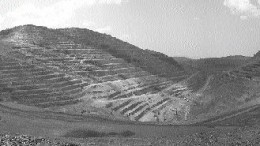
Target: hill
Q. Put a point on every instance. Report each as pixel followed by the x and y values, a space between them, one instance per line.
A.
pixel 207 68
pixel 214 64
pixel 229 91
pixel 80 71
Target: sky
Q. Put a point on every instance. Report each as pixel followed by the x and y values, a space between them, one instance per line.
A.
pixel 190 28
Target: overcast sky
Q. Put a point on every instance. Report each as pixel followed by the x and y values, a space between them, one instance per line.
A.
pixel 191 28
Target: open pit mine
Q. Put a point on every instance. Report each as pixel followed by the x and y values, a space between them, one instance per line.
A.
pixel 81 73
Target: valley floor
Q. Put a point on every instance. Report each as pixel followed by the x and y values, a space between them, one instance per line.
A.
pixel 97 131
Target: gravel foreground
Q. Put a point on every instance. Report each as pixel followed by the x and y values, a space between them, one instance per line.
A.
pixel 244 136
pixel 25 140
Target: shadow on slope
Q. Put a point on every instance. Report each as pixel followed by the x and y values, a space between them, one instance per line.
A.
pixel 92 133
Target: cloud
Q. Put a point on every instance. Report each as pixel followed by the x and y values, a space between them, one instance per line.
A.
pixel 60 14
pixel 55 15
pixel 88 24
pixel 1 19
pixel 110 1
pixel 125 37
pixel 93 26
pixel 105 29
pixel 243 8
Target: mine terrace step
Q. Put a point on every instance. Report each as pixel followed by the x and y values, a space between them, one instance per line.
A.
pixel 113 77
pixel 40 73
pixel 29 87
pixel 18 55
pixel 31 70
pixel 53 95
pixel 3 63
pixel 138 117
pixel 72 87
pixel 80 94
pixel 34 79
pixel 61 59
pixel 73 61
pixel 25 73
pixel 50 76
pixel 72 91
pixel 114 61
pixel 116 108
pixel 29 92
pixel 26 82
pixel 109 78
pixel 10 77
pixel 81 51
pixel 83 73
pixel 66 83
pixel 102 73
pixel 76 86
pixel 3 85
pixel 15 67
pixel 118 66
pixel 4 59
pixel 140 92
pixel 36 101
pixel 158 104
pixel 137 74
pixel 58 80
pixel 130 107
pixel 141 107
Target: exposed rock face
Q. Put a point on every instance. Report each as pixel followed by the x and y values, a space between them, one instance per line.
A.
pixel 79 71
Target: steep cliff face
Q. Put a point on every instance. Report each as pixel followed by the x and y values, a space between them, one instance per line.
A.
pixel 79 71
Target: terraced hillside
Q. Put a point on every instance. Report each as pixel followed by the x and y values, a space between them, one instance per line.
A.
pixel 78 71
pixel 83 72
